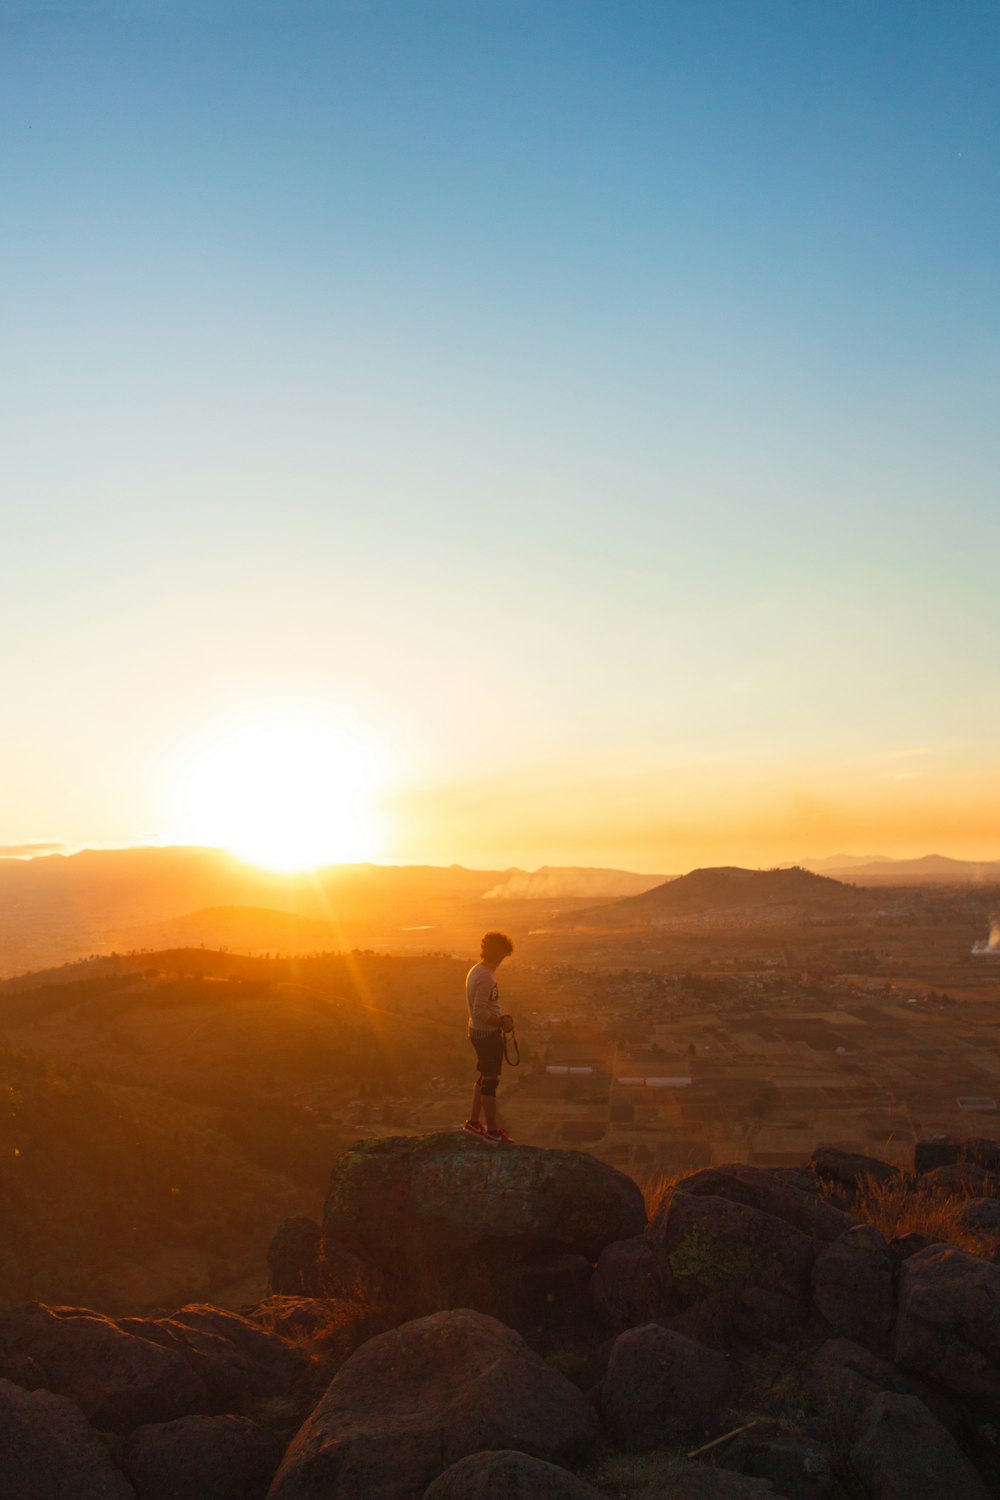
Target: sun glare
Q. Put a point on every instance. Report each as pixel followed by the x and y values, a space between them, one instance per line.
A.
pixel 287 796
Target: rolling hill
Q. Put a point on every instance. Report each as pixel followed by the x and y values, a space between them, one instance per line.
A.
pixel 161 1114
pixel 726 892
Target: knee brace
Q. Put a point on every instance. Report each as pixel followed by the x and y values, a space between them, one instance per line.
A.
pixel 488 1087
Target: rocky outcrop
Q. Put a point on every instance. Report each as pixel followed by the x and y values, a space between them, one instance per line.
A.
pixel 852 1286
pixel 508 1475
pixel 900 1452
pixel 445 1195
pixel 842 1377
pixel 201 1458
pixel 948 1323
pixel 781 1197
pixel 632 1284
pixel 49 1452
pixel 660 1386
pixel 118 1380
pixel 850 1169
pixel 293 1259
pixel 738 1258
pixel 712 1243
pixel 413 1401
pixel 948 1151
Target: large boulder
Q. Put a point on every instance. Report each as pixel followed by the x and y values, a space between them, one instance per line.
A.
pixel 413 1401
pixel 948 1323
pixel 964 1179
pixel 632 1284
pixel 842 1377
pixel 278 1363
pixel 778 1195
pixel 981 1216
pixel 444 1195
pixel 712 1243
pixel 948 1150
pixel 508 1475
pixel 201 1458
pixel 851 1170
pixel 852 1286
pixel 293 1259
pixel 117 1379
pixel 901 1452
pixel 232 1355
pixel 48 1451
pixel 660 1386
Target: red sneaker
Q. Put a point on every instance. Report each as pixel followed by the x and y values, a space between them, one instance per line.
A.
pixel 498 1137
pixel 473 1127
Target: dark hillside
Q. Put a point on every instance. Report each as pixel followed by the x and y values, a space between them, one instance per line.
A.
pixel 728 890
pixel 160 1112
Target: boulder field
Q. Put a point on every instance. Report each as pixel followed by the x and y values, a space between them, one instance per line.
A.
pixel 512 1326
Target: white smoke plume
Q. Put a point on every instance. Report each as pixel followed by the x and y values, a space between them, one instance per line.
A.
pixel 991 945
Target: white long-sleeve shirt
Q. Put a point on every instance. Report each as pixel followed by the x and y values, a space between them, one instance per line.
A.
pixel 483 999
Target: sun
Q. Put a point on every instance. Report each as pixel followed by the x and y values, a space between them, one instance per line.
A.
pixel 289 796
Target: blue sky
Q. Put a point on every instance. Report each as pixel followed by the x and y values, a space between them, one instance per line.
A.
pixel 621 374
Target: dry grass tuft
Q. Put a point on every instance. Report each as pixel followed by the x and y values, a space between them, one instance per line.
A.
pixel 657 1191
pixel 895 1209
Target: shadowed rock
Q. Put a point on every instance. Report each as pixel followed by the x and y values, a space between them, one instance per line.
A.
pixel 852 1286
pixel 293 1259
pixel 448 1194
pixel 232 1355
pixel 201 1458
pixel 49 1452
pixel 779 1196
pixel 660 1386
pixel 712 1243
pixel 901 1453
pixel 118 1381
pixel 508 1475
pixel 632 1284
pixel 411 1402
pixel 843 1377
pixel 965 1177
pixel 850 1168
pixel 948 1322
pixel 981 1216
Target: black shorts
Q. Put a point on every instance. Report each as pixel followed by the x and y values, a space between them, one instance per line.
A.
pixel 489 1053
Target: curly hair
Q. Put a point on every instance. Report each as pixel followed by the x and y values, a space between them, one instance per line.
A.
pixel 494 946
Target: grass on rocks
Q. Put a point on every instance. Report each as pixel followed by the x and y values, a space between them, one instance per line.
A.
pixel 658 1189
pixel 894 1208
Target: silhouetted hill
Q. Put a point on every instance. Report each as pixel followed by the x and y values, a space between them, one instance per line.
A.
pixel 931 869
pixel 726 891
pixel 158 1111
pixel 61 907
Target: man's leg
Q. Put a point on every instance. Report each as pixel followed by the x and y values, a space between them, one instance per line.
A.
pixel 490 1102
pixel 477 1104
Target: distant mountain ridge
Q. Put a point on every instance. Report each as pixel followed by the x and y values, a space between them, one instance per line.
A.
pixel 929 867
pixel 724 890
pixel 56 908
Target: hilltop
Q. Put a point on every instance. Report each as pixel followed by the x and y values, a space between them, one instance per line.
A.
pixel 805 1333
pixel 727 891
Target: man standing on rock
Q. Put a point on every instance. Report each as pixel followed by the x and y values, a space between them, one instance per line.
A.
pixel 486 1035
